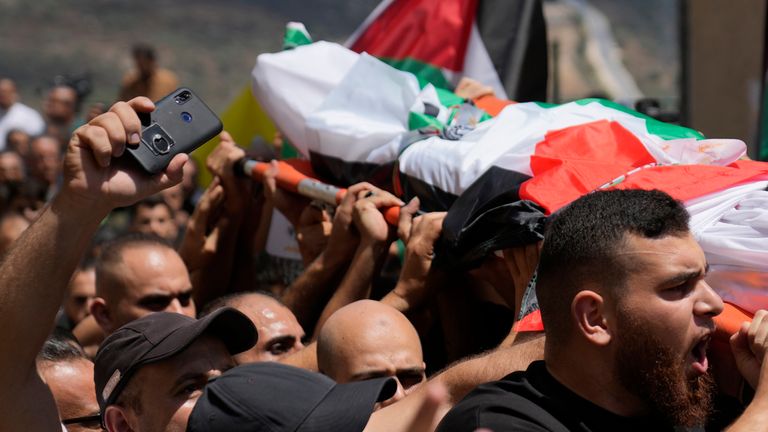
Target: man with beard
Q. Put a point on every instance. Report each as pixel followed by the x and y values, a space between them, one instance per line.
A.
pixel 627 317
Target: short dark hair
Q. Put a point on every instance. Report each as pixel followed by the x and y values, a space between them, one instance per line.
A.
pixel 582 241
pixel 61 346
pixel 151 201
pixel 142 50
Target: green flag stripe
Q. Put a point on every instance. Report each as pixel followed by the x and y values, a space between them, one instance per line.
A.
pixel 665 131
pixel 295 36
pixel 425 73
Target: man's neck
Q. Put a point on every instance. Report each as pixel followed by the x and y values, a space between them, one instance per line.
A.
pixel 594 378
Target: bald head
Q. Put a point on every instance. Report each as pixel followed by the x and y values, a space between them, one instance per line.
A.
pixel 368 339
pixel 137 275
pixel 280 333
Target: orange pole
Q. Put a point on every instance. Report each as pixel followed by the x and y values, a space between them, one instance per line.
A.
pixel 289 178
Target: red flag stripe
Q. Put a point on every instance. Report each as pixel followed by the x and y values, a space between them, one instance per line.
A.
pixel 432 31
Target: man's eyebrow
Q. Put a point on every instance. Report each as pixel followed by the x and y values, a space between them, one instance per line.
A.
pixel 155 296
pixel 683 277
pixel 283 338
pixel 187 376
pixel 414 370
pixel 362 376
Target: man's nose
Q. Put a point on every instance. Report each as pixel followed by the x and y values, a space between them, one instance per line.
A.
pixel 399 394
pixel 175 306
pixel 708 302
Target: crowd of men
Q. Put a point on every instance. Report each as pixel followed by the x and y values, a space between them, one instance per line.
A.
pixel 132 302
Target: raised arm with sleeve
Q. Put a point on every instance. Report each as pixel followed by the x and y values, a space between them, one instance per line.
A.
pixel 35 272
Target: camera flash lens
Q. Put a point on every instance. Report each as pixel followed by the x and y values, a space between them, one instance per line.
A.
pixel 186 117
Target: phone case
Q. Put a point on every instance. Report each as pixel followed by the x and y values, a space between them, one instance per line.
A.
pixel 180 123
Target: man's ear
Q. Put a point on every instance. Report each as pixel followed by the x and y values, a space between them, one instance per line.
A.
pixel 100 313
pixel 115 419
pixel 588 311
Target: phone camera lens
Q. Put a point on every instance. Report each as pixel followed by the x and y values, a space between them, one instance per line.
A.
pixel 161 144
pixel 182 97
pixel 186 117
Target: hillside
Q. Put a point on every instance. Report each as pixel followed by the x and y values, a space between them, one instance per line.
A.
pixel 212 45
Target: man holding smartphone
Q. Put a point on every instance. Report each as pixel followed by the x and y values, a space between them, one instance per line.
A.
pixel 35 271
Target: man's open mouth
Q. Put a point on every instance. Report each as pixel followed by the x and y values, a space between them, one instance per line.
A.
pixel 700 364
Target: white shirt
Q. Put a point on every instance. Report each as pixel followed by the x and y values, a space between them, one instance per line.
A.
pixel 20 116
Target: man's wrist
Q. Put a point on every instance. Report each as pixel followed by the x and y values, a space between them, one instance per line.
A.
pixel 376 245
pixel 72 205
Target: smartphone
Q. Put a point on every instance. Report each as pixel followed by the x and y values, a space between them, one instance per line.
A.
pixel 180 123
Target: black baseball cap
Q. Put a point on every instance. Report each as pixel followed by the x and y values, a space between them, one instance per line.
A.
pixel 275 397
pixel 158 336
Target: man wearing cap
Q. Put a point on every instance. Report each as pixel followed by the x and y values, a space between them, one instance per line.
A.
pixel 150 372
pixel 35 271
pixel 274 397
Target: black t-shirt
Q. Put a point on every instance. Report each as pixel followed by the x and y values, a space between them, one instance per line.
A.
pixel 534 401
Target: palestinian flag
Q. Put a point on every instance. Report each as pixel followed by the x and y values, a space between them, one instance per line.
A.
pixel 499 43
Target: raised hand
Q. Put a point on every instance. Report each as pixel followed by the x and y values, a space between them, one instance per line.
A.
pixel 344 238
pixel 749 346
pixel 221 162
pixel 289 204
pixel 94 179
pixel 368 218
pixel 419 235
pixel 199 243
pixel 312 232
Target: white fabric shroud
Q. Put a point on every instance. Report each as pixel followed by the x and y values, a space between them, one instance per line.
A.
pixel 290 85
pixel 732 228
pixel 363 118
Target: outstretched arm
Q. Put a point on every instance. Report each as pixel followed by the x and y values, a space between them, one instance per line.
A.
pixel 309 293
pixel 35 272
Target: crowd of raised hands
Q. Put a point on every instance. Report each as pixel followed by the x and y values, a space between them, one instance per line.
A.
pixel 372 331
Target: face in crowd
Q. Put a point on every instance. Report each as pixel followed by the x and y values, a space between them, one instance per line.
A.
pixel 280 333
pixel 161 395
pixel 60 105
pixel 627 291
pixel 154 217
pixel 11 167
pixel 80 295
pixel 150 372
pixel 136 278
pixel 45 159
pixel 368 339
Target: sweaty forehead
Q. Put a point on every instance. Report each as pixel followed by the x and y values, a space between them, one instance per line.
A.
pixel 270 317
pixel 147 268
